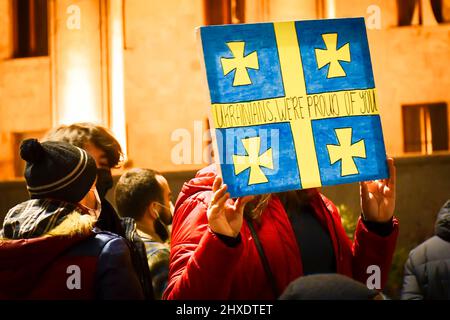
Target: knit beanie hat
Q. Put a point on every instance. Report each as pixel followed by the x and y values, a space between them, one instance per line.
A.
pixel 57 170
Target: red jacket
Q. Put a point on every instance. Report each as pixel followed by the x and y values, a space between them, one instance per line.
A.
pixel 203 267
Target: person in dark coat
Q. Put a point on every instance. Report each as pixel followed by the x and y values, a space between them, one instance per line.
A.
pixel 427 271
pixel 107 153
pixel 144 197
pixel 49 247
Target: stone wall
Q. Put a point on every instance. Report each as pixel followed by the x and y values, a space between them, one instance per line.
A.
pixel 24 94
pixel 24 105
pixel 165 87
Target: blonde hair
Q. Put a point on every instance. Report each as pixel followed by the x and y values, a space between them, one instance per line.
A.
pixel 74 224
pixel 289 199
pixel 255 208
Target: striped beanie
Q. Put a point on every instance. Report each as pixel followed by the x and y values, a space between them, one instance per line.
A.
pixel 57 170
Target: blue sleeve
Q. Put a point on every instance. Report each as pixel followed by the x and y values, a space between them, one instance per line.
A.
pixel 116 278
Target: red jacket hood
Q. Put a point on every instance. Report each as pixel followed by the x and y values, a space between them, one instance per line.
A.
pixel 23 261
pixel 202 181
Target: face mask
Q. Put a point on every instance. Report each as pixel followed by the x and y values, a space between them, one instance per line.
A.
pixel 169 210
pixel 96 212
pixel 104 181
pixel 161 229
pixel 98 205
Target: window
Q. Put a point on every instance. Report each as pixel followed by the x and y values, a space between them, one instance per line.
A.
pixel 223 11
pixel 425 128
pixel 441 10
pixel 405 11
pixel 407 8
pixel 30 28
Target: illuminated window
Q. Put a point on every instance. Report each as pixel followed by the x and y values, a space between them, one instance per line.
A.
pixel 405 12
pixel 441 10
pixel 30 28
pixel 425 128
pixel 410 12
pixel 223 11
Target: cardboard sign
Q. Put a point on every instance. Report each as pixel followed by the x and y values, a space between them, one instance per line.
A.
pixel 293 105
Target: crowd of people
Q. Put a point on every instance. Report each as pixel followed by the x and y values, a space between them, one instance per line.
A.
pixel 69 242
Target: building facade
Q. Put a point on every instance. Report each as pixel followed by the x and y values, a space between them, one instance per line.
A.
pixel 134 66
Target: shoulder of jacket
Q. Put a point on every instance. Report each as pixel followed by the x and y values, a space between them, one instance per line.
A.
pixel 95 244
pixel 419 255
pixel 328 204
pixel 324 199
pixel 202 197
pixel 102 238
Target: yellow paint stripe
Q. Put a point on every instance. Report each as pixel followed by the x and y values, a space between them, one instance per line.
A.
pixel 290 60
pixel 306 154
pixel 294 85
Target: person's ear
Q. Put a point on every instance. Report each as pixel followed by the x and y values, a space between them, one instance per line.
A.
pixel 153 210
pixel 172 208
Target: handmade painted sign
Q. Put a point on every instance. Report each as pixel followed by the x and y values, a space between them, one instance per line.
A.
pixel 293 104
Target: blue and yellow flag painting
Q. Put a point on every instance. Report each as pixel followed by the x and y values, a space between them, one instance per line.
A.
pixel 293 104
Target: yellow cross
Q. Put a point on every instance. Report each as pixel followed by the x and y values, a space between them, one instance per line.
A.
pixel 240 63
pixel 345 151
pixel 253 160
pixel 332 55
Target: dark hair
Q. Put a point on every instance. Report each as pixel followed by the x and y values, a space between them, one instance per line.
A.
pixel 135 190
pixel 79 134
pixel 295 200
